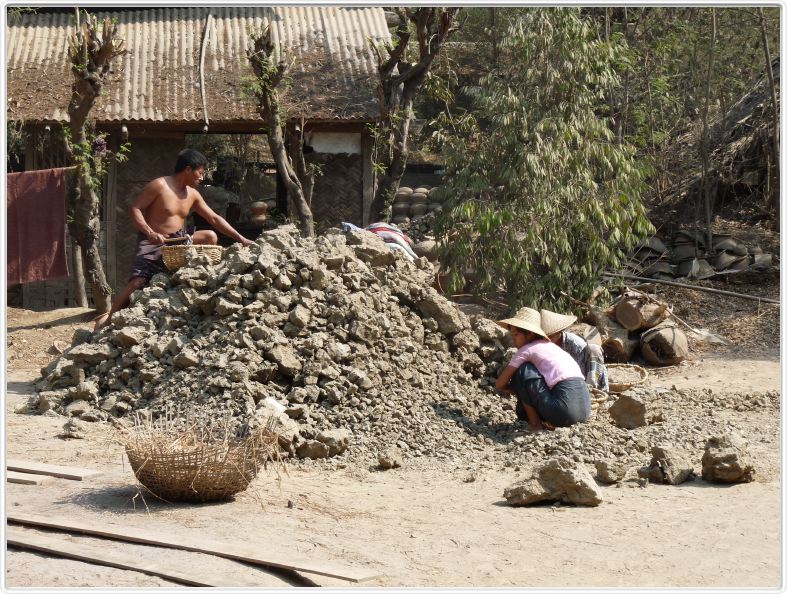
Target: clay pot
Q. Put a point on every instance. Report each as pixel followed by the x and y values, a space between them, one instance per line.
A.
pixel 258 208
pixel 259 220
pixel 397 219
pixel 401 198
pixel 400 208
pixel 422 190
pixel 418 209
pixel 419 198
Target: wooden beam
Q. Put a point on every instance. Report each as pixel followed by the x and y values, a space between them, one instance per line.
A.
pixel 25 478
pixel 66 472
pixel 105 554
pixel 110 224
pixel 248 551
pixel 367 177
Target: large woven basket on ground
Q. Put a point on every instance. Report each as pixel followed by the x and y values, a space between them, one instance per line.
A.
pixel 621 376
pixel 196 467
pixel 174 256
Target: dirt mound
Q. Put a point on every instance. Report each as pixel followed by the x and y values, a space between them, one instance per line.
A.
pixel 347 343
pixel 339 331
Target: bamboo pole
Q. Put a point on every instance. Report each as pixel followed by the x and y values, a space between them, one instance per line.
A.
pixel 696 288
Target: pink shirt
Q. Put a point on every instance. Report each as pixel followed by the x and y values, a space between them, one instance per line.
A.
pixel 552 362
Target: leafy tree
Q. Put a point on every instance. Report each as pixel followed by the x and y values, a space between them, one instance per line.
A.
pixel 542 197
pixel 400 80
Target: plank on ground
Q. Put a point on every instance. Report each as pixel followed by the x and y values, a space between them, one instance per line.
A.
pixel 248 552
pixel 25 478
pixel 66 472
pixel 102 554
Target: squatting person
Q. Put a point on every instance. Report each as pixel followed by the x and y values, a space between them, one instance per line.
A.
pixel 547 382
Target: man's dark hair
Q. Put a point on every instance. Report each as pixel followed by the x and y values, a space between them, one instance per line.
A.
pixel 190 158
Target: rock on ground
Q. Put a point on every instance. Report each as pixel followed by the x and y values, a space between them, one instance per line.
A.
pixel 668 465
pixel 559 479
pixel 727 460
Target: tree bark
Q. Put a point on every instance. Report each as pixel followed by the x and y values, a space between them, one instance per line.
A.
pixel 90 57
pixel 269 75
pixel 400 82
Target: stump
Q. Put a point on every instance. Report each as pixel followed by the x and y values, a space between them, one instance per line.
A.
pixel 634 314
pixel 665 344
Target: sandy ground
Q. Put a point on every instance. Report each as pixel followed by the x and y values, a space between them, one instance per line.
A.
pixel 417 528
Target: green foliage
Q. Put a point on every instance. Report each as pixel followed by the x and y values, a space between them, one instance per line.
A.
pixel 92 155
pixel 542 198
pixel 16 143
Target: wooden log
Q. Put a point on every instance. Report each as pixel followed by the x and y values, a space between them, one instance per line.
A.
pixel 589 333
pixel 25 478
pixel 633 314
pixel 665 344
pixel 616 342
pixel 104 553
pixel 245 550
pixel 66 472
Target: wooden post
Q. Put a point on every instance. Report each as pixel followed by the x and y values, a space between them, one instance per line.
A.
pixel 367 178
pixel 110 223
pixel 77 276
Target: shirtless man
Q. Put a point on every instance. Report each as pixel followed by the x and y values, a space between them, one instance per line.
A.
pixel 158 213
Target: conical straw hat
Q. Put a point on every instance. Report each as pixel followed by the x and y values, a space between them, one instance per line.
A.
pixel 552 322
pixel 526 319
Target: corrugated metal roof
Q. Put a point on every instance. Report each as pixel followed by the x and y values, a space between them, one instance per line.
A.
pixel 333 76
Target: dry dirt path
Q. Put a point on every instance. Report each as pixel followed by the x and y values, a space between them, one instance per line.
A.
pixel 432 528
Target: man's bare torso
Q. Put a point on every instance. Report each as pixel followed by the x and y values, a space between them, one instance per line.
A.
pixel 170 207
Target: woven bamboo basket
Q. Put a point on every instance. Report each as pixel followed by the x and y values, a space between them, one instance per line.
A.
pixel 597 398
pixel 195 464
pixel 622 385
pixel 174 256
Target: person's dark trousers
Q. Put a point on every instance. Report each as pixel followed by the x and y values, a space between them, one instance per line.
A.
pixel 567 403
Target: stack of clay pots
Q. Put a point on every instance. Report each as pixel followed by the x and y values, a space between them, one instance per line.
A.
pixel 651 259
pixel 412 204
pixel 689 256
pixel 730 254
pixel 687 246
pixel 259 211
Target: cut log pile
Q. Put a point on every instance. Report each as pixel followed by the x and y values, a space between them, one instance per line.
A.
pixel 638 321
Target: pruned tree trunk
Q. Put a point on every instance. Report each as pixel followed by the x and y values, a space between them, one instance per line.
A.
pixel 90 57
pixel 269 74
pixel 633 314
pixel 400 82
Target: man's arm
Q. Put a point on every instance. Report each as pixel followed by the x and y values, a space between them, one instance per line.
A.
pixel 217 222
pixel 144 199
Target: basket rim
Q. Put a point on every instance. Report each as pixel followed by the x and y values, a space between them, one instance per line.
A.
pixel 621 386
